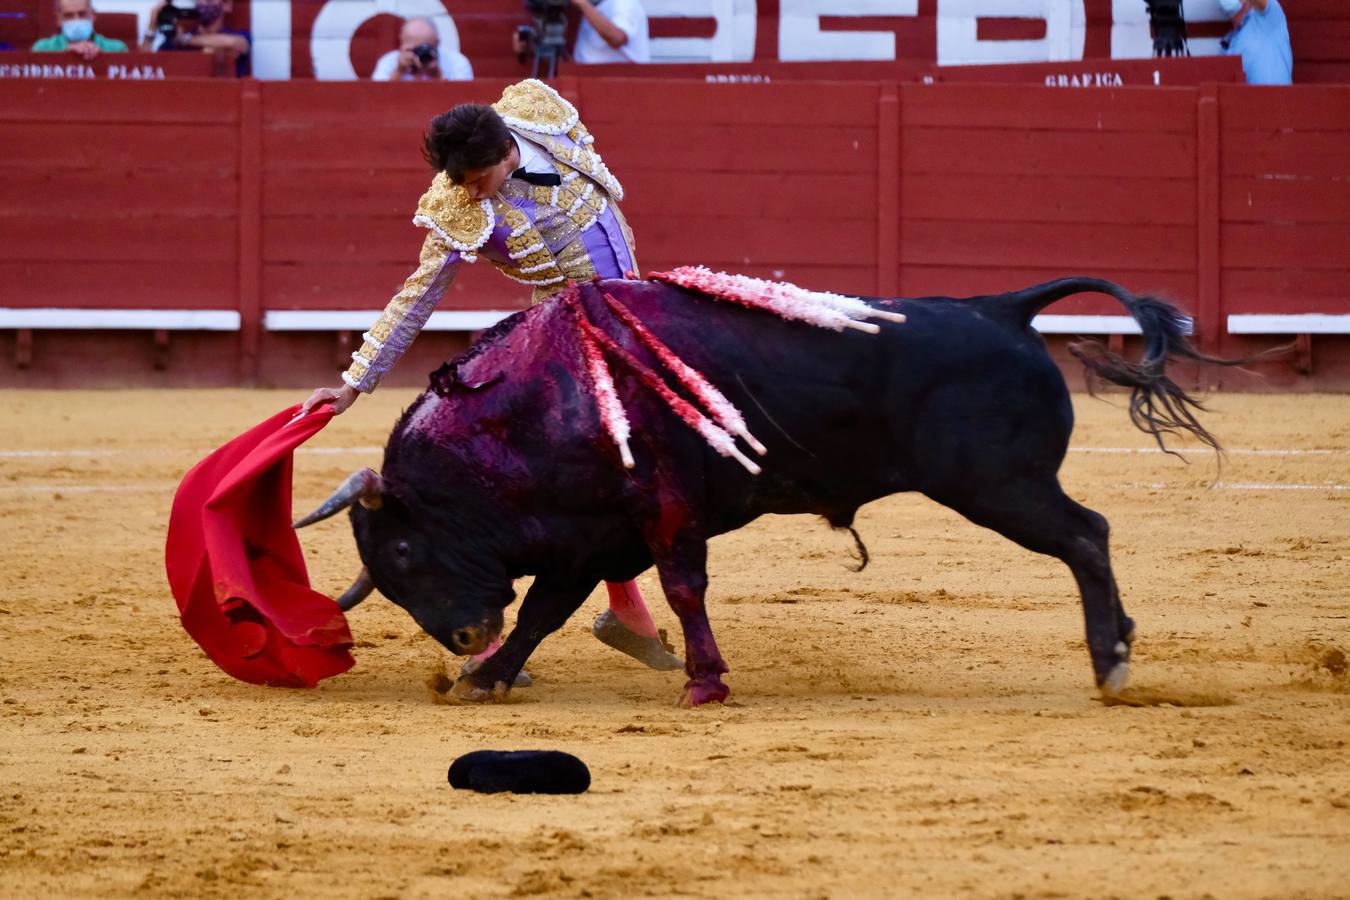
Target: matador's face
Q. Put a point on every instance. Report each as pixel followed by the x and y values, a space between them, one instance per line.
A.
pixel 483 183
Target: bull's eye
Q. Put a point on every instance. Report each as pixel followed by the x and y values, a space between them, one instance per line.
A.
pixel 401 555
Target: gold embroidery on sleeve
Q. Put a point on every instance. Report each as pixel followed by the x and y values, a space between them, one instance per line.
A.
pixel 430 261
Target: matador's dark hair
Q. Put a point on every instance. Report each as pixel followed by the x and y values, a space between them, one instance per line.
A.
pixel 470 136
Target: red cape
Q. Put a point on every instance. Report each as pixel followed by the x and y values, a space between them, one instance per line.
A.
pixel 235 565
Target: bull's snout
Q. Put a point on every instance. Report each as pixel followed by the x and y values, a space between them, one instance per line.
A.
pixel 469 640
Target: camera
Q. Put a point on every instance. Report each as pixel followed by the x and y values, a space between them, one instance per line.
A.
pixel 425 54
pixel 547 7
pixel 547 38
pixel 166 23
pixel 1169 27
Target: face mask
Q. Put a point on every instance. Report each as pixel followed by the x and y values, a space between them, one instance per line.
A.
pixel 1230 7
pixel 77 30
pixel 208 13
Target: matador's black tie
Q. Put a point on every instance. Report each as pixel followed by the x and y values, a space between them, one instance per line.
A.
pixel 551 179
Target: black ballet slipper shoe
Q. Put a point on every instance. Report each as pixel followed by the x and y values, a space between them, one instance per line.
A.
pixel 654 652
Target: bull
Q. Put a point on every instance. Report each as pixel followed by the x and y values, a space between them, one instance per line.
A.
pixel 502 468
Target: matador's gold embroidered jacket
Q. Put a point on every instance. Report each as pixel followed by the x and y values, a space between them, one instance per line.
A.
pixel 540 236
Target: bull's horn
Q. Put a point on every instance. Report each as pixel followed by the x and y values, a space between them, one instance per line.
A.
pixel 363 485
pixel 359 591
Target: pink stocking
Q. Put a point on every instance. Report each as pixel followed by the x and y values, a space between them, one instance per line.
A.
pixel 625 601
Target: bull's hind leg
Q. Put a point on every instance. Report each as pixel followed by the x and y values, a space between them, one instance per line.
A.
pixel 1038 515
pixel 683 567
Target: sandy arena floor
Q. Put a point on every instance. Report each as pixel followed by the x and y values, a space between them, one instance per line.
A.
pixel 925 728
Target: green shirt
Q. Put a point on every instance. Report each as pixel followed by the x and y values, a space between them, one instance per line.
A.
pixel 58 43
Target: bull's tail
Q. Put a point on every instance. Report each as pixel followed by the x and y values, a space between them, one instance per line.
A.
pixel 1158 406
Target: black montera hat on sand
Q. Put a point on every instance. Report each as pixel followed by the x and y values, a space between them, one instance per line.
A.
pixel 520 772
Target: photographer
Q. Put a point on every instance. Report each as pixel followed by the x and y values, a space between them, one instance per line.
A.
pixel 1260 36
pixel 612 31
pixel 202 28
pixel 420 57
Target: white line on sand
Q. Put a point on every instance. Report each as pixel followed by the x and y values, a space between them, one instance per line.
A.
pixel 167 486
pixel 337 451
pixel 161 451
pixel 149 487
pixel 1238 451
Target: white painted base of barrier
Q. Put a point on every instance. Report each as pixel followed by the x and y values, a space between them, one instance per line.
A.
pixel 1085 325
pixel 360 320
pixel 1306 323
pixel 121 319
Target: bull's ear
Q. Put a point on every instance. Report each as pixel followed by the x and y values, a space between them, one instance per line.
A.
pixel 476 385
pixel 450 377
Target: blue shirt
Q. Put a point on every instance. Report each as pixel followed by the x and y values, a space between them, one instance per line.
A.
pixel 1262 40
pixel 243 64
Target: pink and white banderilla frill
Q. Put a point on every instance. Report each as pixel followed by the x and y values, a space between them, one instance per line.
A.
pixel 823 310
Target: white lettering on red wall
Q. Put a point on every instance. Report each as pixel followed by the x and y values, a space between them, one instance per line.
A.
pixel 733 40
pixel 798 31
pixel 958 42
pixel 83 71
pixel 800 37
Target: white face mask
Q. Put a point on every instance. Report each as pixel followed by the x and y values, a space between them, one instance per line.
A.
pixel 77 30
pixel 1230 7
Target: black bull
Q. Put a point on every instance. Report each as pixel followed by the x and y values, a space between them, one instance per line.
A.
pixel 502 469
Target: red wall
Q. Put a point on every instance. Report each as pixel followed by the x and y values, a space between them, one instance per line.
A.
pixel 295 195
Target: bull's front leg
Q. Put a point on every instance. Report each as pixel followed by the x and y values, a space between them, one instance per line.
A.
pixel 683 567
pixel 543 611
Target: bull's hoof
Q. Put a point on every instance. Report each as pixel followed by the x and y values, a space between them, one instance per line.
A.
pixel 654 652
pixel 1119 673
pixel 523 678
pixel 1115 680
pixel 465 690
pixel 697 693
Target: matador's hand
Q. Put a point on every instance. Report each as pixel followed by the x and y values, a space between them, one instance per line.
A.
pixel 340 398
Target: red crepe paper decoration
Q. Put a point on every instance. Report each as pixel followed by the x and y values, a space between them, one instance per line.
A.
pixel 235 565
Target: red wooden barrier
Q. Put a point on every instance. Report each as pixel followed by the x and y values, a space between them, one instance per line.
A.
pixel 121 195
pixel 1005 184
pixel 298 196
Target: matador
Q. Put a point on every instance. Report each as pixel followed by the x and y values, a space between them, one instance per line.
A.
pixel 521 184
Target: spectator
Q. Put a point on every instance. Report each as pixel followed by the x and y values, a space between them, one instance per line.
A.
pixel 203 28
pixel 1260 36
pixel 77 33
pixel 419 57
pixel 612 31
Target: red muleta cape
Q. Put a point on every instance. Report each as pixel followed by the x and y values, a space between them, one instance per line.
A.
pixel 236 568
